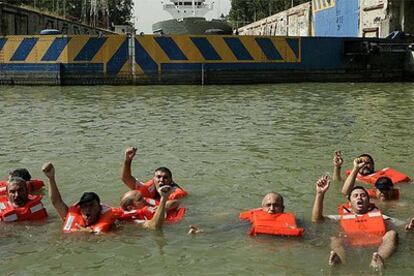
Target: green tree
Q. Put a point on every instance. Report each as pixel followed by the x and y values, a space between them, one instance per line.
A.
pixel 120 11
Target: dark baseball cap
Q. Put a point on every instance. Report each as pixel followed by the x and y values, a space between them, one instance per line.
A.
pixel 384 183
pixel 88 197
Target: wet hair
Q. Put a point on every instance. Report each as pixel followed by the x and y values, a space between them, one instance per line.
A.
pixel 128 198
pixel 164 170
pixel 357 188
pixel 370 159
pixel 384 183
pixel 17 180
pixel 22 173
pixel 88 197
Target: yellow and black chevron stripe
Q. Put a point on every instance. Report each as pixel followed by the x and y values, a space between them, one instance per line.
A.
pixel 111 54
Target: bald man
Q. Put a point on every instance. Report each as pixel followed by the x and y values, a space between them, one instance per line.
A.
pixel 272 203
pixel 139 207
pixel 271 218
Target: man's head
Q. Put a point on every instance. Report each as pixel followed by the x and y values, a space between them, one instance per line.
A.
pixel 22 173
pixel 132 200
pixel 359 199
pixel 368 168
pixel 384 187
pixel 17 191
pixel 162 176
pixel 90 207
pixel 272 203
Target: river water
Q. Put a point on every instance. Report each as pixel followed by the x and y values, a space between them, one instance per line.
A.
pixel 226 145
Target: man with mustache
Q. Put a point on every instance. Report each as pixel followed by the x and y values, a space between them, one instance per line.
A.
pixel 18 205
pixel 89 215
pixel 384 188
pixel 272 203
pixel 162 176
pixel 363 225
pixel 365 160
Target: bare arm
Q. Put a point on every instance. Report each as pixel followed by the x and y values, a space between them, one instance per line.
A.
pixel 54 194
pixel 338 161
pixel 126 174
pixel 350 180
pixel 322 185
pixel 158 219
pixel 410 225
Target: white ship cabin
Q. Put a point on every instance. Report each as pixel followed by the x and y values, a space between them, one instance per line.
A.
pixel 180 9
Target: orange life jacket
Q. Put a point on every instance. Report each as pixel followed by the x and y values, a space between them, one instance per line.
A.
pixel 364 230
pixel 147 212
pixel 32 186
pixel 345 208
pixel 394 196
pixel 149 190
pixel 32 210
pixel 74 219
pixel 281 224
pixel 396 176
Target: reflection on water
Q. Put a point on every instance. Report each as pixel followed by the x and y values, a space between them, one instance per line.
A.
pixel 227 145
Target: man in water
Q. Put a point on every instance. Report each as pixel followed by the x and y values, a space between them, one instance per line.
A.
pixel 162 176
pixel 18 205
pixel 359 200
pixel 272 203
pixel 133 200
pixel 90 208
pixel 383 186
pixel 22 173
pixel 365 160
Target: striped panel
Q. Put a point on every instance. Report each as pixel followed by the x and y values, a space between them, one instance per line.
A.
pixel 2 42
pixel 89 51
pixel 294 45
pixel 221 48
pixel 118 60
pixel 56 49
pixel 144 59
pixel 269 49
pixel 238 49
pixel 205 48
pixel 187 46
pixel 24 49
pixel 170 48
pixel 253 48
pixel 218 49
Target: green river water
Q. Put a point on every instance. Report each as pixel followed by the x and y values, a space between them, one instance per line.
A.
pixel 227 146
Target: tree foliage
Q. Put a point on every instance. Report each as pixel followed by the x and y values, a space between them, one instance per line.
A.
pixel 244 12
pixel 120 11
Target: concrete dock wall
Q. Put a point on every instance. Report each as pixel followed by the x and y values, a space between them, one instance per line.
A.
pixel 200 59
pixel 296 21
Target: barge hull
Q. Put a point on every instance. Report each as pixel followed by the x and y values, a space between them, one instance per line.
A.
pixel 199 59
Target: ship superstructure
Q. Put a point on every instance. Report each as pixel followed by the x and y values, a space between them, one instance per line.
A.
pixel 181 9
pixel 189 18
